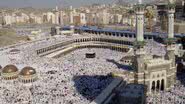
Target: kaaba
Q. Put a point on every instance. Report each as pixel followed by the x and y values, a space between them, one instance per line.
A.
pixel 90 55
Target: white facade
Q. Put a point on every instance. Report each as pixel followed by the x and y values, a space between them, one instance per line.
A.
pixel 117 18
pixel 51 17
pixel 132 20
pixel 66 19
pixel 105 17
pixel 38 20
pixel 61 18
pixel 44 17
pixel 56 17
pixel 8 20
pixel 25 17
pixel 91 18
pixel 20 18
pixel 83 19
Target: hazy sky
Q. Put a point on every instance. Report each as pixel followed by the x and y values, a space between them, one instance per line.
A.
pixel 49 3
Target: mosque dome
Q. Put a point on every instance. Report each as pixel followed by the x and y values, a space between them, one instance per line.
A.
pixel 28 75
pixel 9 72
pixel 9 69
pixel 26 71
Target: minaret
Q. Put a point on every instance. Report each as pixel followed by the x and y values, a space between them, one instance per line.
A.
pixel 71 15
pixel 170 41
pixel 139 43
pixel 170 46
pixel 171 12
pixel 139 51
pixel 56 16
pixel 139 21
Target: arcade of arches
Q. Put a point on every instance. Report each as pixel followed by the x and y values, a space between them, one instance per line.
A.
pixel 158 81
pixel 157 85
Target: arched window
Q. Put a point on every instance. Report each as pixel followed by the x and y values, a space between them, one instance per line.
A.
pixel 153 85
pixel 158 85
pixel 162 84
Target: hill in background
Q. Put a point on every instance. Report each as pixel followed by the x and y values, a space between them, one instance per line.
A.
pixel 9 37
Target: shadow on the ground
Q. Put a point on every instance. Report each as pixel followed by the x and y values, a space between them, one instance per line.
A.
pixel 181 73
pixel 120 66
pixel 180 69
pixel 91 86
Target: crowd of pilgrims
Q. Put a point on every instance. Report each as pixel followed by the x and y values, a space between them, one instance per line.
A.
pixel 175 95
pixel 70 79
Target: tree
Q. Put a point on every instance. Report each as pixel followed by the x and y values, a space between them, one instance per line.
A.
pixel 130 12
pixel 149 15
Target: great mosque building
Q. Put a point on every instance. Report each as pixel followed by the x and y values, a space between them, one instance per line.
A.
pixel 156 73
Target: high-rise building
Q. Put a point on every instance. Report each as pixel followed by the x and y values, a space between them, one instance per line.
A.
pixel 7 20
pixel 51 17
pixel 44 18
pixel 104 17
pixel 71 15
pixel 61 21
pixel 83 20
pixel 56 15
pixel 161 8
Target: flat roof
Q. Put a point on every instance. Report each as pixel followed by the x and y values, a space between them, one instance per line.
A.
pixel 133 90
pixel 95 28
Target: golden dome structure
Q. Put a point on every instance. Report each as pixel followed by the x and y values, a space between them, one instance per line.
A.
pixel 28 75
pixel 9 72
